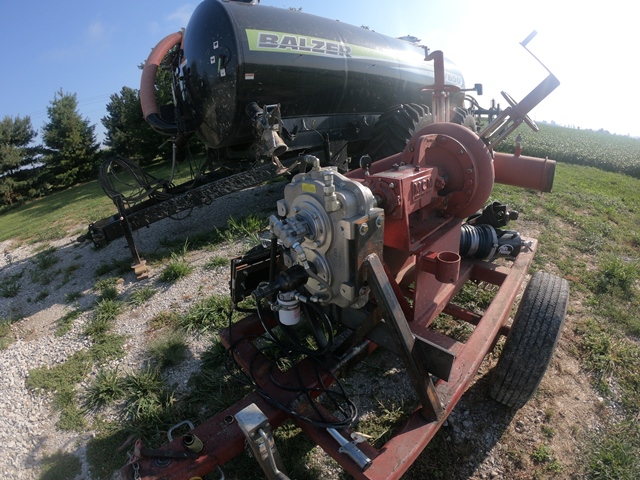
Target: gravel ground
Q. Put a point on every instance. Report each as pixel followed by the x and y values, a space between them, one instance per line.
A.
pixel 27 430
pixel 479 432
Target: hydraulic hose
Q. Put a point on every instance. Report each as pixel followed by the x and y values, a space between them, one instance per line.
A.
pixel 150 110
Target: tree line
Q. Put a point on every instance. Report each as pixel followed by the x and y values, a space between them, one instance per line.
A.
pixel 70 153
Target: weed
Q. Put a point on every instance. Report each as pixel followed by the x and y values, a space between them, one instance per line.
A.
pixel 68 272
pixel 61 375
pixel 212 389
pixel 104 268
pixel 164 318
pixel 72 296
pixel 615 455
pixel 104 390
pixel 248 226
pixel 71 416
pixel 46 259
pixel 60 466
pixel 147 397
pixel 381 425
pixel 169 350
pixel 10 286
pixel 178 267
pixel 212 312
pixel 548 431
pixel 616 276
pixel 103 452
pixel 97 326
pixel 103 316
pixel 41 296
pixel 107 309
pixel 65 323
pixel 106 288
pixel 542 454
pixel 216 262
pixel 107 346
pixel 141 295
pixel 6 336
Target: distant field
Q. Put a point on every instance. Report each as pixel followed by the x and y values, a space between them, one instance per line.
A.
pixel 614 153
pixel 70 210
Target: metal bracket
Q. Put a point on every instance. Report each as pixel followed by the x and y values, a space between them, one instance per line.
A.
pixel 403 338
pixel 255 426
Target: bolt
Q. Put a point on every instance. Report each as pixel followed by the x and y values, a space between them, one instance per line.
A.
pixel 392 185
pixel 379 221
pixel 411 148
pixel 469 171
pixel 364 228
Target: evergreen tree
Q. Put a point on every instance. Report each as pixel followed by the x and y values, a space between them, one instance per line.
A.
pixel 15 136
pixel 70 140
pixel 127 133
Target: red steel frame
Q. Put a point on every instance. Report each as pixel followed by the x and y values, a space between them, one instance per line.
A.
pixel 223 439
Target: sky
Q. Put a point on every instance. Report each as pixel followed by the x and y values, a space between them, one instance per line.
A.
pixel 93 49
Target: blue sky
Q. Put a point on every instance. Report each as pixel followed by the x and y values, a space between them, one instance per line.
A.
pixel 93 49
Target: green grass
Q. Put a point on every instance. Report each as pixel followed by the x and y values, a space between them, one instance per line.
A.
pixel 141 295
pixel 58 214
pixel 210 313
pixel 65 323
pixel 72 296
pixel 168 350
pixel 60 466
pixel 178 266
pixel 382 424
pixel 147 397
pixel 60 375
pixel 46 259
pixel 176 269
pixel 61 380
pixel 216 262
pixel 107 346
pixel 106 288
pixel 614 153
pixel 6 336
pixel 105 389
pixel 614 455
pixel 10 285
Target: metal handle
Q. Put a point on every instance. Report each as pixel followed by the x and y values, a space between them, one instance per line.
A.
pixel 350 449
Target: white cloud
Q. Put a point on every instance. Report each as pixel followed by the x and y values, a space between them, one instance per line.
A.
pixel 96 31
pixel 180 17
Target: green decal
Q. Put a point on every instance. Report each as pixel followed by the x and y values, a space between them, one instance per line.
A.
pixel 268 41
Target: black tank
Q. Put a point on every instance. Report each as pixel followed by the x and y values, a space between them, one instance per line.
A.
pixel 236 53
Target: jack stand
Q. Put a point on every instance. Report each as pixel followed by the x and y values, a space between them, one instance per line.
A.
pixel 255 426
pixel 139 265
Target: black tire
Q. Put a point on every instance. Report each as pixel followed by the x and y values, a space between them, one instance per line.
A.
pixel 532 340
pixel 395 127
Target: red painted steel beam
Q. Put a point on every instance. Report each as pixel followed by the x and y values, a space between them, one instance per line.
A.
pixel 399 453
